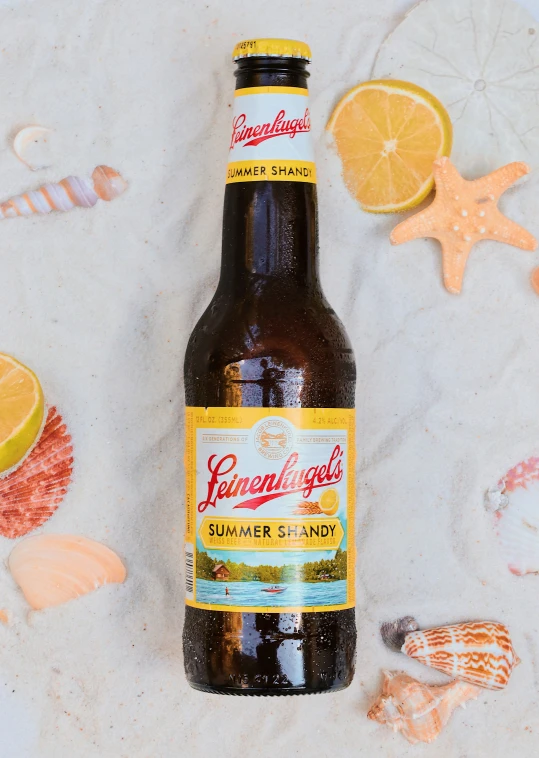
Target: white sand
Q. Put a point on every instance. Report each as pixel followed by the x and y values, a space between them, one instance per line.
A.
pixel 101 302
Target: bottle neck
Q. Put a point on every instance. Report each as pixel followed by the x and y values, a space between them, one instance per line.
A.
pixel 270 226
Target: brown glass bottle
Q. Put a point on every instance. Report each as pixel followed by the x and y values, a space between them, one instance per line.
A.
pixel 269 339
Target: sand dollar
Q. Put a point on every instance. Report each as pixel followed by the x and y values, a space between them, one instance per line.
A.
pixel 481 59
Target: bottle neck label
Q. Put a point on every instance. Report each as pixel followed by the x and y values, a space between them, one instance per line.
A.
pixel 271 136
pixel 270 509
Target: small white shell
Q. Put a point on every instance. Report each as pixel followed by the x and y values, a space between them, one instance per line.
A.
pixel 32 146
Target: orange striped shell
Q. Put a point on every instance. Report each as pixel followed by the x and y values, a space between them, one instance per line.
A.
pixel 479 652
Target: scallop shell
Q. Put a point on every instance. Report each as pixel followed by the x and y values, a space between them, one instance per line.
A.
pixel 515 502
pixel 52 569
pixel 31 494
pixel 481 59
pixel 419 711
pixel 31 145
pixel 479 652
pixel 105 183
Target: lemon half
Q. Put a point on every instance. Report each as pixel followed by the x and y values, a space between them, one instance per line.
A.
pixel 22 407
pixel 388 134
pixel 329 502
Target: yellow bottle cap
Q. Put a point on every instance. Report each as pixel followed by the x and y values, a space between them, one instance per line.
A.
pixel 279 48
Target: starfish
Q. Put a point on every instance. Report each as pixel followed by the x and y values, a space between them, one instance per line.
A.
pixel 464 213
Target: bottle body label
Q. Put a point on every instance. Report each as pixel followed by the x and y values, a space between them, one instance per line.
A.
pixel 270 509
pixel 271 136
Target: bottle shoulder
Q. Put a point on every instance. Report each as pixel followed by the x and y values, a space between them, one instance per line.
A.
pixel 270 352
pixel 293 323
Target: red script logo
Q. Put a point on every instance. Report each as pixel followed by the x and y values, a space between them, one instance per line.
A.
pixel 254 135
pixel 269 486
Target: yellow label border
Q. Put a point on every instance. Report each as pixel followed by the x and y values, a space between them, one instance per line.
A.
pixel 263 171
pixel 270 608
pixel 223 417
pixel 301 91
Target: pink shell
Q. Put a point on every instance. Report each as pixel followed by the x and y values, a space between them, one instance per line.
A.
pixel 521 475
pixel 31 494
pixel 481 653
pixel 515 502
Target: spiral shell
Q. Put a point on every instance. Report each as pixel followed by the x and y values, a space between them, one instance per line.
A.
pixel 419 711
pixel 105 183
pixel 481 653
pixel 31 494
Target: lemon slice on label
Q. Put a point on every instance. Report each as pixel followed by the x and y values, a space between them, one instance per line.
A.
pixel 21 411
pixel 329 502
pixel 388 134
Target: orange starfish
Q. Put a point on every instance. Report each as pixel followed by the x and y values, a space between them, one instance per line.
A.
pixel 464 213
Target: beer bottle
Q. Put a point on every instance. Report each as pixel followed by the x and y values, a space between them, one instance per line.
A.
pixel 270 387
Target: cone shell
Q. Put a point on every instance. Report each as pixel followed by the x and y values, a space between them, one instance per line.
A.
pixel 106 183
pixel 515 502
pixel 480 653
pixel 420 711
pixel 31 494
pixel 51 569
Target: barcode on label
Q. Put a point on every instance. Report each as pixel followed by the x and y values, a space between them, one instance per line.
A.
pixel 189 570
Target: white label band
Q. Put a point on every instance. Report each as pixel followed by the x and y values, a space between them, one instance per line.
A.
pixel 271 136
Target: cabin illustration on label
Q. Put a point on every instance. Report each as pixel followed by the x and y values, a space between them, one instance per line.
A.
pixel 220 573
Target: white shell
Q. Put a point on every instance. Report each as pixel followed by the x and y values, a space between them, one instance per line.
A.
pixel 515 502
pixel 32 146
pixel 481 59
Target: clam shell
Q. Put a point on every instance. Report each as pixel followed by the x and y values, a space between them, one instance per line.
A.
pixel 52 569
pixel 479 652
pixel 515 503
pixel 419 711
pixel 31 494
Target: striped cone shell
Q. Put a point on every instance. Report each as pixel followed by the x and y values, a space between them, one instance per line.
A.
pixel 479 652
pixel 31 494
pixel 105 183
